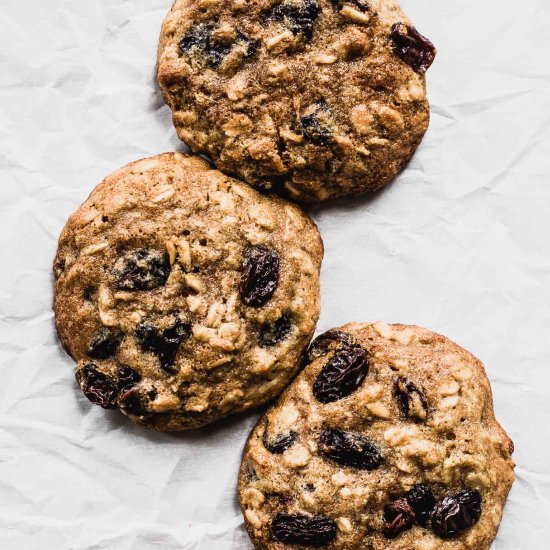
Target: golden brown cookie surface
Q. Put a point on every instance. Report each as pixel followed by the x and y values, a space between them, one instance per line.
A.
pixel 184 295
pixel 386 440
pixel 326 98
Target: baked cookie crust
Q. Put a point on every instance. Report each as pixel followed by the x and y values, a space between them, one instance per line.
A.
pixel 184 295
pixel 386 440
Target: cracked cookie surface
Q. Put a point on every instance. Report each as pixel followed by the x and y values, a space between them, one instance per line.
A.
pixel 185 295
pixel 321 98
pixel 386 440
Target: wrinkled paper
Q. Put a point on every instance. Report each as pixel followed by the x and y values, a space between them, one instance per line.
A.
pixel 459 244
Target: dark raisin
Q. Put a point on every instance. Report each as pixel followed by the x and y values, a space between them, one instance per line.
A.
pixel 134 402
pixel 398 517
pixel 411 400
pixel 104 343
pixel 361 4
pixel 170 340
pixel 147 336
pixel 164 344
pixel 421 498
pixel 127 378
pixel 141 269
pixel 456 513
pixel 342 375
pixel 99 388
pixel 201 40
pixel 59 268
pixel 309 487
pixel 281 443
pixel 217 50
pixel 215 53
pixel 196 37
pixel 330 340
pixel 413 48
pixel 250 473
pixel 273 185
pixel 89 293
pixel 273 334
pixel 311 531
pixel 298 15
pixel 314 123
pixel 280 498
pixel 252 46
pixel 259 276
pixel 350 449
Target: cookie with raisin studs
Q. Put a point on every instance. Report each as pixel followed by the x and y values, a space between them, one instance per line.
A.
pixel 183 294
pixel 386 440
pixel 316 99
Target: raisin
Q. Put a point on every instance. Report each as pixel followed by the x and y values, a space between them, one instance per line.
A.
pixel 350 449
pixel 89 293
pixel 99 388
pixel 304 530
pixel 260 276
pixel 250 473
pixel 281 443
pixel 141 269
pixel 279 498
pixel 342 375
pixel 411 400
pixel 421 498
pixel 252 46
pixel 361 4
pixel 171 338
pixel 164 344
pixel 127 378
pixel 147 336
pixel 274 185
pixel 134 402
pixel 272 334
pixel 314 123
pixel 196 37
pixel 104 343
pixel 332 339
pixel 214 51
pixel 398 517
pixel 298 16
pixel 413 48
pixel 217 51
pixel 456 513
pixel 58 268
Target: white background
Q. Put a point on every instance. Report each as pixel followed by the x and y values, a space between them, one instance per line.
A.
pixel 459 244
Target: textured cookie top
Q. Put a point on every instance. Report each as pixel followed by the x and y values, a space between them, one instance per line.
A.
pixel 386 440
pixel 184 295
pixel 326 98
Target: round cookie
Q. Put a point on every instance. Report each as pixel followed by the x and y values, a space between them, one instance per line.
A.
pixel 324 98
pixel 184 295
pixel 386 440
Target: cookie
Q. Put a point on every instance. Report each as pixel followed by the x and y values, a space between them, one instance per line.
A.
pixel 314 98
pixel 386 440
pixel 184 295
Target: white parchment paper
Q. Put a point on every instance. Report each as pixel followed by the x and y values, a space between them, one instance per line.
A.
pixel 459 244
